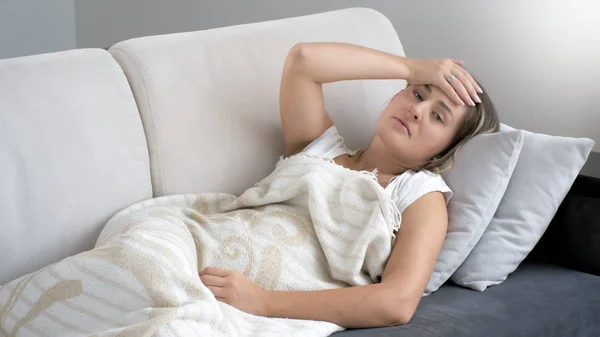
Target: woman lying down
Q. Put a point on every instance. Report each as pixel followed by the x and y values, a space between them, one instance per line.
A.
pixel 333 238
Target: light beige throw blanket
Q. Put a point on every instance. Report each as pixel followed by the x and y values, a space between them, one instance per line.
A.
pixel 309 225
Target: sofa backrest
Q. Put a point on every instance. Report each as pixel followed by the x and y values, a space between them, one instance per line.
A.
pixel 72 153
pixel 209 100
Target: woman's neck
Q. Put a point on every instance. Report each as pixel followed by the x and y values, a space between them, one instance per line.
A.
pixel 369 160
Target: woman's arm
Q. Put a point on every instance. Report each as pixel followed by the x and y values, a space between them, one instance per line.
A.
pixel 391 302
pixel 309 65
pixel 355 307
pixel 326 62
pixel 395 299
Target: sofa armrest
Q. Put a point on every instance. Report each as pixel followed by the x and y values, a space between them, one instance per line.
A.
pixel 573 237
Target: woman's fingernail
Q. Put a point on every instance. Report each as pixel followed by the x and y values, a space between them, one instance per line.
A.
pixel 477 99
pixel 479 90
pixel 471 103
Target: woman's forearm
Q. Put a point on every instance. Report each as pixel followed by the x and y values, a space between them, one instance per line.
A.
pixel 327 62
pixel 354 307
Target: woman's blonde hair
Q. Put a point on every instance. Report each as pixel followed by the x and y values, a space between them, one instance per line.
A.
pixel 481 118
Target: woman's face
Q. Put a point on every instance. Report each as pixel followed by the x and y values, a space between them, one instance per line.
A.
pixel 418 123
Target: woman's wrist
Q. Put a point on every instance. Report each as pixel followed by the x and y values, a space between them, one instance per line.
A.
pixel 405 68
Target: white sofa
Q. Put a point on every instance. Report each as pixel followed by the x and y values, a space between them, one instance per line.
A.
pixel 76 148
pixel 85 133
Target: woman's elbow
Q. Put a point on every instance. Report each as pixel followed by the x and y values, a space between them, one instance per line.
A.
pixel 298 55
pixel 399 312
pixel 398 317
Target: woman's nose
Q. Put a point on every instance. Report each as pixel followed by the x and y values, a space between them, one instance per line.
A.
pixel 417 110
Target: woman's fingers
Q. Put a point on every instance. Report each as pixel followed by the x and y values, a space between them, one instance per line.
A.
pixel 451 82
pixel 448 75
pixel 462 92
pixel 476 85
pixel 214 271
pixel 449 90
pixel 459 62
pixel 219 292
pixel 467 82
pixel 471 79
pixel 211 280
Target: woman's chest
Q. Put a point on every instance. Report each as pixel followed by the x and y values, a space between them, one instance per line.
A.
pixel 346 161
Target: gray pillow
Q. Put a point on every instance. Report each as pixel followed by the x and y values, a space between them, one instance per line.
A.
pixel 544 173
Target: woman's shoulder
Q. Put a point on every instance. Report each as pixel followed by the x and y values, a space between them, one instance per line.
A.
pixel 422 176
pixel 411 185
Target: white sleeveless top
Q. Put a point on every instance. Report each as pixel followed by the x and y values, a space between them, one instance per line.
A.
pixel 404 189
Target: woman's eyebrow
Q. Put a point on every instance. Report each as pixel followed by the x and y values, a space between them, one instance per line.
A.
pixel 445 107
pixel 440 102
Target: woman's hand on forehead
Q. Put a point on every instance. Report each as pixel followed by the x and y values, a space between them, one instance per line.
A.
pixel 449 76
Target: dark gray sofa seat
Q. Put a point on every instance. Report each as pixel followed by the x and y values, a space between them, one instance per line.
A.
pixel 536 300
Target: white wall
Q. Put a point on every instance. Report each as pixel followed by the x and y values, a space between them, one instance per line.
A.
pixel 539 59
pixel 36 26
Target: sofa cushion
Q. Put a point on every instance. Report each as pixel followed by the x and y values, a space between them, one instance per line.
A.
pixel 210 99
pixel 536 300
pixel 72 153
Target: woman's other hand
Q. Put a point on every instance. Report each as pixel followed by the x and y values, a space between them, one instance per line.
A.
pixel 446 74
pixel 236 290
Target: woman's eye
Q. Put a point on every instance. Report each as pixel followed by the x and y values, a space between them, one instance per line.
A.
pixel 418 96
pixel 437 116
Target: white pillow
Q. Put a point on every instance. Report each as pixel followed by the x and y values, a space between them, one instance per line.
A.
pixel 546 169
pixel 478 179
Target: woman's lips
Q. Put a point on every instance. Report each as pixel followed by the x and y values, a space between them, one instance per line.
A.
pixel 402 124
